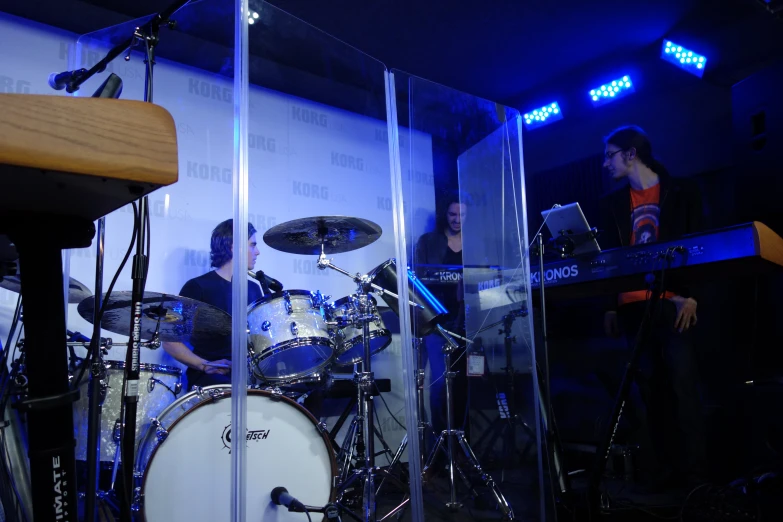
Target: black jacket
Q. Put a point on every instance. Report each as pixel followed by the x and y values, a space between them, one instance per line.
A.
pixel 431 248
pixel 681 214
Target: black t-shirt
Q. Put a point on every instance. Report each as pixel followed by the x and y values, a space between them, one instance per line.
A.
pixel 452 258
pixel 450 295
pixel 212 289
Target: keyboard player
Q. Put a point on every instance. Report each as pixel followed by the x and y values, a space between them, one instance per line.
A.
pixel 652 206
pixel 443 246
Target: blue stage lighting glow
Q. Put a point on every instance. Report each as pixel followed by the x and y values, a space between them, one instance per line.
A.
pixel 685 59
pixel 543 116
pixel 611 91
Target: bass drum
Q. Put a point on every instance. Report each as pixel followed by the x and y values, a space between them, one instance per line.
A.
pixel 185 459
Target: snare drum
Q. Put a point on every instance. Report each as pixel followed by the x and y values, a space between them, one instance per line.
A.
pixel 158 387
pixel 185 461
pixel 350 348
pixel 289 336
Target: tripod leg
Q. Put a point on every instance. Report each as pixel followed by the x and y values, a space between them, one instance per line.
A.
pixel 433 453
pixel 394 461
pixel 346 453
pixel 340 421
pixel 503 504
pixel 420 347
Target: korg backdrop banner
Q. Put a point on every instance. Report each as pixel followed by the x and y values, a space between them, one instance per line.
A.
pixel 323 135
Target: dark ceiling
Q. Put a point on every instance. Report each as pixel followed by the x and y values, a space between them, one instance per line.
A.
pixel 502 50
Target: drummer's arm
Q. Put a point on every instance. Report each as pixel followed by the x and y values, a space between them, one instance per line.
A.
pixel 183 354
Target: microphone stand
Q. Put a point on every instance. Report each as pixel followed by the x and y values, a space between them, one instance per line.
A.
pixel 551 436
pixel 95 392
pixel 332 512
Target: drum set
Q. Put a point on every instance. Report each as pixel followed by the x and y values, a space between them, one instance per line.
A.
pixel 183 441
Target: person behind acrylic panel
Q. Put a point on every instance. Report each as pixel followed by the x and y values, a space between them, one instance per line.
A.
pixel 443 246
pixel 652 206
pixel 209 357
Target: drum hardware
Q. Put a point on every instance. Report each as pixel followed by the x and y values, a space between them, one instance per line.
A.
pixel 338 234
pixel 427 319
pixel 360 439
pixel 451 435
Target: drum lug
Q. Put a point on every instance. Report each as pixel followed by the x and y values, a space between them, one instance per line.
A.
pixel 287 299
pixel 318 300
pixel 294 329
pixel 266 325
pixel 137 499
pixel 160 431
pixel 321 427
pixel 216 394
pixel 277 393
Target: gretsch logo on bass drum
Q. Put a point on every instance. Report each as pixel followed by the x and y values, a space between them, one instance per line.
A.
pixel 254 435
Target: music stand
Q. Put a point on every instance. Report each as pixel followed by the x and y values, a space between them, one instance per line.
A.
pixel 569 228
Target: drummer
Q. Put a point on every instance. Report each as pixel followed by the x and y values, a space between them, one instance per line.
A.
pixel 209 357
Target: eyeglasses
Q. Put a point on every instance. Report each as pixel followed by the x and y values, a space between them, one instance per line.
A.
pixel 610 155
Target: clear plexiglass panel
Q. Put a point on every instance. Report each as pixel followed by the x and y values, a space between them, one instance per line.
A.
pixel 184 415
pixel 466 242
pixel 318 151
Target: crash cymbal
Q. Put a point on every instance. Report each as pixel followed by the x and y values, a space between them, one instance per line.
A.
pixel 338 234
pixel 179 318
pixel 77 292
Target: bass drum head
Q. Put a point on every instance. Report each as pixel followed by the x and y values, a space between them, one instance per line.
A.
pixel 188 476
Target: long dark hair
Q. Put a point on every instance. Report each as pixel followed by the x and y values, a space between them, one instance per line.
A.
pixel 632 136
pixel 223 240
pixel 449 197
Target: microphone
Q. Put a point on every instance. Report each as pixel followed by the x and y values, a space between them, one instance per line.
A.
pixel 281 497
pixel 59 81
pixel 273 284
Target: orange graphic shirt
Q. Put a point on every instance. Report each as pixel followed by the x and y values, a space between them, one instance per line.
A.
pixel 645 216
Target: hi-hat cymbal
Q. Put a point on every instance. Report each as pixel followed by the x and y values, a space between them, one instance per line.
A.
pixel 77 292
pixel 338 234
pixel 178 318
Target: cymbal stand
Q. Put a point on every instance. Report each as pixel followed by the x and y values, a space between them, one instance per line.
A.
pixel 450 435
pixel 362 429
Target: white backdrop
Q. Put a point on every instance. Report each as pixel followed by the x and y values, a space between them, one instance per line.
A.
pixel 306 159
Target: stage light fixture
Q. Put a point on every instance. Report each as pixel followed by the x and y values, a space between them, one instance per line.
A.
pixel 252 16
pixel 611 91
pixel 543 116
pixel 683 58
